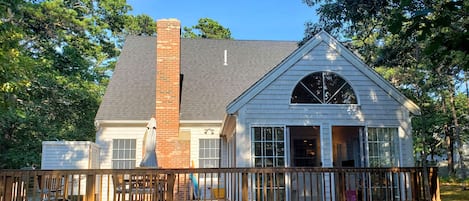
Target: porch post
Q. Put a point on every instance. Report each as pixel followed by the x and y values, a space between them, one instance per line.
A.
pixel 327 160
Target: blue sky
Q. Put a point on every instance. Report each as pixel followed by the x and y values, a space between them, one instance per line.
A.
pixel 246 19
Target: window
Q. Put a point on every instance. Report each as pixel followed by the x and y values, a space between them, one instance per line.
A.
pixel 383 147
pixel 209 153
pixel 209 156
pixel 123 153
pixel 269 151
pixel 269 146
pixel 323 88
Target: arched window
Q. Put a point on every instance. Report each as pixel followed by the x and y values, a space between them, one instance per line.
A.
pixel 323 88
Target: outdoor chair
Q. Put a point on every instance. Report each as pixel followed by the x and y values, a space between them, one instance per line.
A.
pixel 120 188
pixel 52 187
pixel 132 187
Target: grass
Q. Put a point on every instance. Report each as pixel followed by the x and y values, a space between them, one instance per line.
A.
pixel 454 191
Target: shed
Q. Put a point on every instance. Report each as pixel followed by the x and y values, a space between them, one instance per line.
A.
pixel 59 155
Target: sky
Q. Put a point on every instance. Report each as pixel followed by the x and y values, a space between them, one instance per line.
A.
pixel 247 19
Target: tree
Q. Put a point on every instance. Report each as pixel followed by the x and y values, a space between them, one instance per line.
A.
pixel 207 28
pixel 141 25
pixel 55 60
pixel 420 46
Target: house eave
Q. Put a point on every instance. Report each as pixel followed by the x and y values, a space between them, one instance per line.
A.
pixel 123 123
pixel 412 107
pixel 228 127
pixel 131 123
pixel 188 123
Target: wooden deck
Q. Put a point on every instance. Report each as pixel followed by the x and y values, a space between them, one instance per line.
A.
pixel 334 184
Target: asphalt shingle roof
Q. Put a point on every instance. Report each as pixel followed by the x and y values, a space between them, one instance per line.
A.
pixel 208 85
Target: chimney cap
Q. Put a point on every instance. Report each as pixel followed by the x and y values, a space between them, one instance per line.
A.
pixel 168 19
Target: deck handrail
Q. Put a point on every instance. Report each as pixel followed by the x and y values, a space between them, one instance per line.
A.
pixel 232 183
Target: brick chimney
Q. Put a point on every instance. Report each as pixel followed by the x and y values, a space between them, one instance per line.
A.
pixel 172 151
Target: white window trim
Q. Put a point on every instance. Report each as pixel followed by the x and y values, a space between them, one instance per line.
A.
pixel 251 137
pixel 218 141
pixel 112 152
pixel 358 104
pixel 398 160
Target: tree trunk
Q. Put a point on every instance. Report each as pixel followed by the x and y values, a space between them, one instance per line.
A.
pixel 466 81
pixel 448 139
pixel 456 128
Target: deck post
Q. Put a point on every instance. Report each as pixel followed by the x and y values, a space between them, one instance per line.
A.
pixel 90 187
pixel 6 189
pixel 434 184
pixel 244 181
pixel 417 187
pixel 170 191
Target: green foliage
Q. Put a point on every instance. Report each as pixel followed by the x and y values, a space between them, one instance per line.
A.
pixel 56 57
pixel 142 25
pixel 454 189
pixel 421 47
pixel 207 28
pixel 55 60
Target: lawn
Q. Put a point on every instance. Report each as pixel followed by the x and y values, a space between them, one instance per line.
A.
pixel 454 191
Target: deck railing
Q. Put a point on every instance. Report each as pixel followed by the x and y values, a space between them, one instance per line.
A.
pixel 334 184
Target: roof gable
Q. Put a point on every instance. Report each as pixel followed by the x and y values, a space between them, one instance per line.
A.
pixel 268 78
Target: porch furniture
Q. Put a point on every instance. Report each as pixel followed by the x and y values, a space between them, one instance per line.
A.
pixel 218 193
pixel 52 187
pixel 138 187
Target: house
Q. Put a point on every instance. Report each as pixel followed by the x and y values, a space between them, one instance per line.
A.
pixel 240 103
